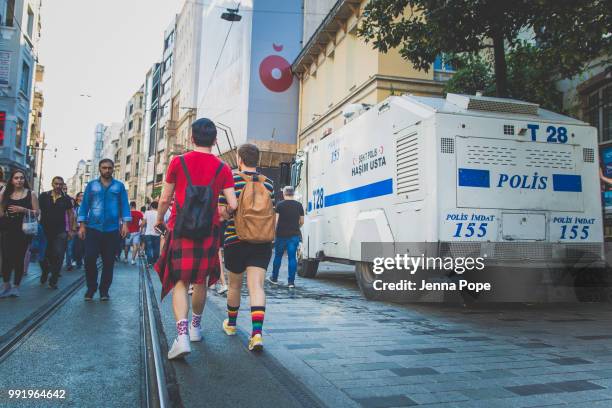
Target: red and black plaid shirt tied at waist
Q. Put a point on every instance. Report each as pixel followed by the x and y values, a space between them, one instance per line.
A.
pixel 188 260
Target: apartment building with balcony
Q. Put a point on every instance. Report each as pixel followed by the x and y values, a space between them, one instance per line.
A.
pixel 336 68
pixel 20 25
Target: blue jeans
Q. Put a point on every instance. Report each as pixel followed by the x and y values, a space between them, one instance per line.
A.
pixel 78 250
pixel 104 244
pixel 69 247
pixel 280 245
pixel 152 248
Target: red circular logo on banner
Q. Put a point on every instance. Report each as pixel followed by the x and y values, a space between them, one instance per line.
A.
pixel 275 73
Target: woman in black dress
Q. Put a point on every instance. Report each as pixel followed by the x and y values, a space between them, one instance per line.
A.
pixel 15 201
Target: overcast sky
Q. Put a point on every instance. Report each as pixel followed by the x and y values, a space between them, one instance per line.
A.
pixel 98 48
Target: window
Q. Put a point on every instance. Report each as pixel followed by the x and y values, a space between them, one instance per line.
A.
pixel 131 108
pixel 19 133
pixel 443 70
pixel 30 22
pixel 127 176
pixel 129 143
pixel 152 141
pixel 441 64
pixel 168 63
pixel 138 147
pixel 25 79
pixel 128 159
pixel 598 111
pixel 139 125
pixel 2 124
pixel 135 192
pixel 130 125
pixel 9 13
pixel 169 41
pixel 140 102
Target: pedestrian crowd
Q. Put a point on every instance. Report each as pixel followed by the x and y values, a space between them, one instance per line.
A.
pixel 208 220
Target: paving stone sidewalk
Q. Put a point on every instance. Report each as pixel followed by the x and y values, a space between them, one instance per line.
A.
pixel 352 352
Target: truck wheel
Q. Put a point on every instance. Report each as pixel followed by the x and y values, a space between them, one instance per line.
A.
pixel 365 280
pixel 308 268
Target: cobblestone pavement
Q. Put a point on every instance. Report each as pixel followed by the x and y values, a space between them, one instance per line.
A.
pixel 352 352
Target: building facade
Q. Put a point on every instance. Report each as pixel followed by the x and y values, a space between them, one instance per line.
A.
pixel 157 115
pixel 19 36
pixel 151 100
pixel 129 151
pixel 165 129
pixel 245 83
pixel 185 77
pixel 36 144
pixel 81 177
pixel 110 141
pixel 98 144
pixel 337 68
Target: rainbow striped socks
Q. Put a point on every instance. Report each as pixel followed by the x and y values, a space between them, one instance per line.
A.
pixel 257 318
pixel 232 315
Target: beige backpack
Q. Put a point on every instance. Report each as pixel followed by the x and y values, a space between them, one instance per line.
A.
pixel 255 217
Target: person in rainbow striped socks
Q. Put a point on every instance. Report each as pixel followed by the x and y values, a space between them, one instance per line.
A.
pixel 241 256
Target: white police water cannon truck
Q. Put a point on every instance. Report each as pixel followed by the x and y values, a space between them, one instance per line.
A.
pixel 474 176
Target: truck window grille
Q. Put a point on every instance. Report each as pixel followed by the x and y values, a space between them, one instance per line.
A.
pixel 491 155
pixel 588 155
pixel 447 145
pixel 549 158
pixel 407 164
pixel 509 130
pixel 502 106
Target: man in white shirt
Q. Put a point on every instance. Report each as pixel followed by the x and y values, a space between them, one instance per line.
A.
pixel 151 237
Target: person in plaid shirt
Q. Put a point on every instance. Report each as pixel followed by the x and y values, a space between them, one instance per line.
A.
pixel 186 261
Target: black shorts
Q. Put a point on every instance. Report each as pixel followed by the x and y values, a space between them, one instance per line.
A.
pixel 240 255
pixel 222 233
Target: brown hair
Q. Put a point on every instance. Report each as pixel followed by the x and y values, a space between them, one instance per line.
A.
pixel 10 187
pixel 249 154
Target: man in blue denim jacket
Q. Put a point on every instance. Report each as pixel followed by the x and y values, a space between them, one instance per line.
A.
pixel 105 204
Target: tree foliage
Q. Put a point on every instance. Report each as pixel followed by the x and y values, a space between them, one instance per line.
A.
pixel 569 33
pixel 528 79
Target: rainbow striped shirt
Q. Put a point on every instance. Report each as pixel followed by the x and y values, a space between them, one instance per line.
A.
pixel 230 231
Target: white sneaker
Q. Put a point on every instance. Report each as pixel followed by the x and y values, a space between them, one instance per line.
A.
pixel 180 347
pixel 14 292
pixel 190 291
pixel 274 282
pixel 222 289
pixel 6 292
pixel 133 262
pixel 195 333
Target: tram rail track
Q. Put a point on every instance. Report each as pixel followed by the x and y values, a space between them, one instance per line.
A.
pixel 160 388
